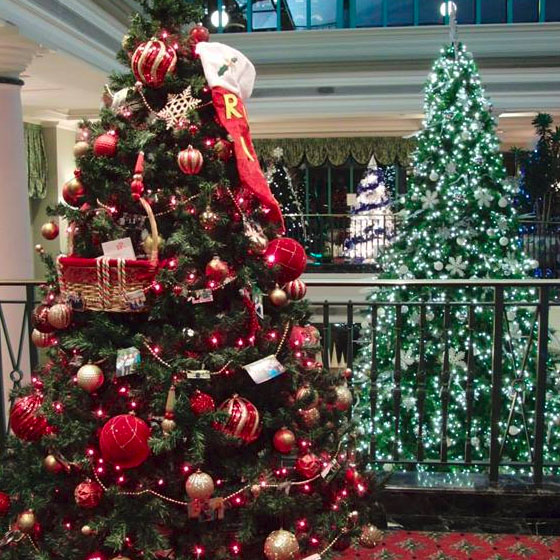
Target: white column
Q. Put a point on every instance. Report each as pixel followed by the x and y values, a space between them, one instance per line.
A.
pixel 16 256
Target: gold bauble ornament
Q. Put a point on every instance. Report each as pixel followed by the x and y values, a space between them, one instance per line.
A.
pixel 148 244
pixel 199 486
pixel 90 378
pixel 42 340
pixel 278 297
pixel 49 230
pixel 343 400
pixel 80 149
pixel 52 464
pixel 168 425
pixel 309 418
pixel 26 521
pixel 87 531
pixel 307 394
pixel 281 545
pixel 208 219
pixel 60 315
pixel 370 536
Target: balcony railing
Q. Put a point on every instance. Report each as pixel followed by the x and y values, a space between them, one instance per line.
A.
pixel 294 15
pixel 342 320
pixel 438 302
pixel 342 241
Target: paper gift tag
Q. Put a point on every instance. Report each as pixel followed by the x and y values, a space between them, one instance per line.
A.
pixel 135 299
pixel 202 296
pixel 264 369
pixel 330 471
pixel 128 360
pixel 198 374
pixel 258 301
pixel 119 249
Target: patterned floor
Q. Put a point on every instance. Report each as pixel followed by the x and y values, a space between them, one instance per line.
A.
pixel 409 545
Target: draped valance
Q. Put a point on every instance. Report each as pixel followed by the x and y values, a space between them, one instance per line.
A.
pixel 36 160
pixel 317 151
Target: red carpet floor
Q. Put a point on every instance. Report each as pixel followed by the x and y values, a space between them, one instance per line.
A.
pixel 412 545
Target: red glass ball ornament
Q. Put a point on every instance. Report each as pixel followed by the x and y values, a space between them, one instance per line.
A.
pixel 190 161
pixel 152 61
pixel 217 270
pixel 105 145
pixel 244 420
pixel 73 191
pixel 50 230
pixel 40 319
pixel 88 494
pixel 25 420
pixel 303 337
pixel 193 129
pixel 124 441
pixel 287 257
pixel 199 34
pixel 284 440
pixel 308 465
pixel 342 543
pixel 223 149
pixel 296 289
pixel 5 504
pixel 43 340
pixel 202 403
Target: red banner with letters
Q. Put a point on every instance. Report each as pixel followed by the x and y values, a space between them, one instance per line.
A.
pixel 233 117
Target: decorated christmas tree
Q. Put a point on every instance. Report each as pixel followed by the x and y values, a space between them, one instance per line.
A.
pixel 430 388
pixel 181 411
pixel 285 192
pixel 372 223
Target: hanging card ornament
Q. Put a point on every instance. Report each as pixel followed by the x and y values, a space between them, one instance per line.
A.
pixel 201 296
pixel 128 360
pixel 231 75
pixel 265 369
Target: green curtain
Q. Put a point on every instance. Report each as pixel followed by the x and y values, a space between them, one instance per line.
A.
pixel 317 151
pixel 36 160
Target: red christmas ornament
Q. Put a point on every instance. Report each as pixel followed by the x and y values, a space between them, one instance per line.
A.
pixel 202 403
pixel 296 289
pixel 308 465
pixel 244 421
pixel 223 149
pixel 105 145
pixel 199 34
pixel 217 270
pixel 42 340
pixel 152 61
pixel 137 183
pixel 301 337
pixel 5 504
pixel 88 494
pixel 193 129
pixel 73 190
pixel 40 319
pixel 124 441
pixel 50 230
pixel 284 440
pixel 287 257
pixel 25 421
pixel 190 161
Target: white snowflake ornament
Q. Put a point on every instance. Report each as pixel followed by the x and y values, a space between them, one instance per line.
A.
pixel 178 108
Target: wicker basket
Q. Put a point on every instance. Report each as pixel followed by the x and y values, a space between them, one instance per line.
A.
pixel 106 284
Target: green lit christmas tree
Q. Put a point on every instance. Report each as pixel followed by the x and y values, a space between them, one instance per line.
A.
pixel 434 362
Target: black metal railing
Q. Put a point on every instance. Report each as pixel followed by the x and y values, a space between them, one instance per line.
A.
pixel 17 300
pixel 341 323
pixel 342 317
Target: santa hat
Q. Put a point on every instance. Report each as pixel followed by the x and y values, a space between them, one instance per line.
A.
pixel 227 68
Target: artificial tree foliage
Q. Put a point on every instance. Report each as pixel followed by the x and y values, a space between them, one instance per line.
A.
pixel 144 511
pixel 433 362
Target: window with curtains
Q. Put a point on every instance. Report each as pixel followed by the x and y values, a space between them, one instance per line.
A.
pixel 36 161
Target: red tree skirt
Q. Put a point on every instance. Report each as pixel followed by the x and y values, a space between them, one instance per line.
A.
pixel 412 545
